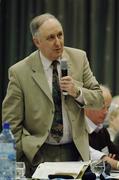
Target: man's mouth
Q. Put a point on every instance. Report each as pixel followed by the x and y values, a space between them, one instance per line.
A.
pixel 58 49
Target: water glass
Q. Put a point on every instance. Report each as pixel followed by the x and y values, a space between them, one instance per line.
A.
pixel 20 170
pixel 97 167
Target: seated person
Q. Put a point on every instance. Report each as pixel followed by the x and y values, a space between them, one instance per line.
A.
pixel 99 137
pixel 114 104
pixel 113 121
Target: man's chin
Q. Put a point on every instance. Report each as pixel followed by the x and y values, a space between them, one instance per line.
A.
pixel 58 55
pixel 101 121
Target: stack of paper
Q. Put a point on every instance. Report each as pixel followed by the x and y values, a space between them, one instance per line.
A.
pixel 75 169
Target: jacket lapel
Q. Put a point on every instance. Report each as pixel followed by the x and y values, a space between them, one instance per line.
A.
pixel 39 75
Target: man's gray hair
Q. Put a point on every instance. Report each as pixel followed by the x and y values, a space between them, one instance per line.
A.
pixel 38 21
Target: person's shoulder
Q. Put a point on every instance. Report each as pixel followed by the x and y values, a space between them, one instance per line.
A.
pixel 74 50
pixel 104 129
pixel 24 62
pixel 106 132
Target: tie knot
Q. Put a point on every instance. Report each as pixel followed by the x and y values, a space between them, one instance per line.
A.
pixel 54 64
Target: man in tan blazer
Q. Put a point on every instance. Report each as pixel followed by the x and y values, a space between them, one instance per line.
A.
pixel 29 106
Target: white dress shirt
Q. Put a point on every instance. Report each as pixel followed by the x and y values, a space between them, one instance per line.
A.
pixel 95 154
pixel 67 134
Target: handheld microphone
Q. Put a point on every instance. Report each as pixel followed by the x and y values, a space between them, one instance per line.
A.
pixel 64 72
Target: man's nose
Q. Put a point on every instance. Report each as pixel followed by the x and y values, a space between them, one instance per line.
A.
pixel 57 41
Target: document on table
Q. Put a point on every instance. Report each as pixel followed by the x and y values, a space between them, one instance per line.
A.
pixel 75 169
pixel 114 174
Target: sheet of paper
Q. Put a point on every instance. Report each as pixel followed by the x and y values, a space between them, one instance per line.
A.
pixel 114 174
pixel 67 168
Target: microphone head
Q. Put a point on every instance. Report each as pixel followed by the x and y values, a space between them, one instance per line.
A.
pixel 64 65
pixel 64 72
pixel 64 68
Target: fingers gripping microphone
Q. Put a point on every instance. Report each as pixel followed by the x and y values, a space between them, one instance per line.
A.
pixel 64 72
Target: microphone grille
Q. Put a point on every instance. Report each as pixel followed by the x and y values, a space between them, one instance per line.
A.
pixel 64 64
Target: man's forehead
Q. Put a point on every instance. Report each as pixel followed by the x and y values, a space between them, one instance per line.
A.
pixel 50 23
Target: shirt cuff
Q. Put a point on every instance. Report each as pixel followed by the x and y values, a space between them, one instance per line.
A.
pixel 79 99
pixel 95 154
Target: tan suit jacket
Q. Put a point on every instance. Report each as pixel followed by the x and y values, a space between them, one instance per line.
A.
pixel 29 108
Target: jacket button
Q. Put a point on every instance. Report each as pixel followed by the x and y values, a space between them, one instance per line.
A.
pixel 52 112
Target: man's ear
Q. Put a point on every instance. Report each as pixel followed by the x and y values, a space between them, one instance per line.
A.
pixel 36 42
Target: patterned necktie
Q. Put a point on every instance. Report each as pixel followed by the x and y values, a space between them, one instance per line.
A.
pixel 57 126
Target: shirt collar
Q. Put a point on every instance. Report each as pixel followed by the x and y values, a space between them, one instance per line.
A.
pixel 46 62
pixel 93 127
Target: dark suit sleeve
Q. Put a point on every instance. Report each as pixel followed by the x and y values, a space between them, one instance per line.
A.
pixel 112 147
pixel 101 140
